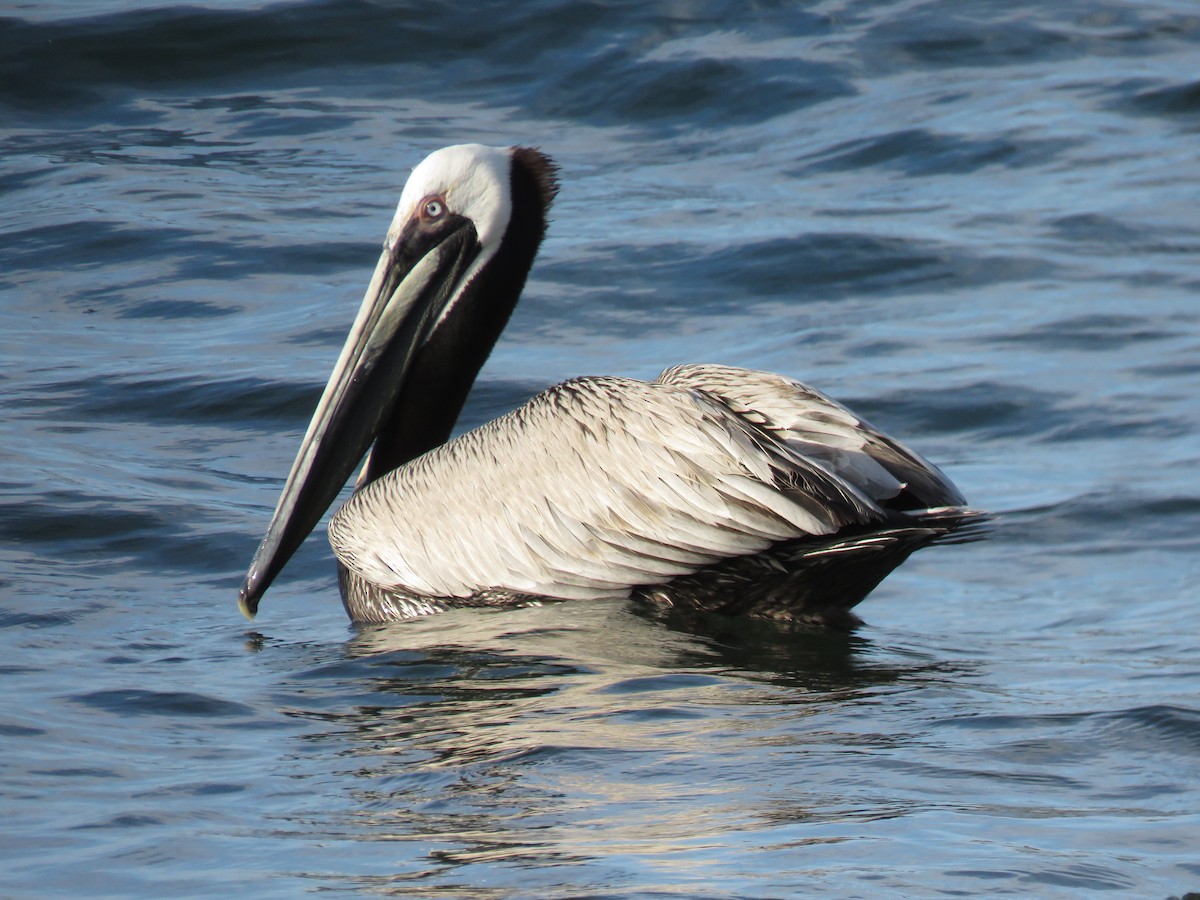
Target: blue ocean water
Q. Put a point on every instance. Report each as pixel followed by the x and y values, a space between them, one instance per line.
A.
pixel 975 223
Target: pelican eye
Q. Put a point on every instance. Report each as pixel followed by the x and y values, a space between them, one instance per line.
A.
pixel 432 209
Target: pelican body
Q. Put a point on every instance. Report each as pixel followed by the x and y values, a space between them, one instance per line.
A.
pixel 712 488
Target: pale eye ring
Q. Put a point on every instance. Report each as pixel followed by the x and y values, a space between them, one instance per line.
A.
pixel 432 209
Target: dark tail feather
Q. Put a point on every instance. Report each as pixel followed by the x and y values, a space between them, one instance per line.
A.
pixel 954 524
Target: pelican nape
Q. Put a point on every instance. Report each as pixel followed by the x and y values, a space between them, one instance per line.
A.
pixel 712 488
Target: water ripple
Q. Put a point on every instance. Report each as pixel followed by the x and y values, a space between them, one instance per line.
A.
pixel 138 702
pixel 973 222
pixel 918 152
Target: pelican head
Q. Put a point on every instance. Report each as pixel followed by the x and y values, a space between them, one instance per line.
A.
pixel 468 225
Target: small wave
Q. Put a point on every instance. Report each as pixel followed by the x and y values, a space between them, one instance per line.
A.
pixel 985 409
pixel 95 533
pixel 68 63
pixel 993 411
pixel 162 703
pixel 919 151
pixel 24 619
pixel 1169 727
pixel 1172 101
pixel 239 402
pixel 950 41
pixel 615 89
pixel 1175 728
pixel 185 256
pixel 1127 520
pixel 807 268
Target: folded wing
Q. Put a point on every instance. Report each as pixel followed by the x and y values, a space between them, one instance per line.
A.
pixel 600 485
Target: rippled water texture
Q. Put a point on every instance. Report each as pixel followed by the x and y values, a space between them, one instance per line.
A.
pixel 974 222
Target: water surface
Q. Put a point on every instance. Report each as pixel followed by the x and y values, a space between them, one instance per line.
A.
pixel 974 223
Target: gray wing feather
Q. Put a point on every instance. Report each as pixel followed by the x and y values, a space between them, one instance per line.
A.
pixel 822 429
pixel 593 487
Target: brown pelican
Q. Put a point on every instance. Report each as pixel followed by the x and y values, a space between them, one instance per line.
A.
pixel 712 488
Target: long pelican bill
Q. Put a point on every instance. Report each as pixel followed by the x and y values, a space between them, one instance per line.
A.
pixel 417 276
